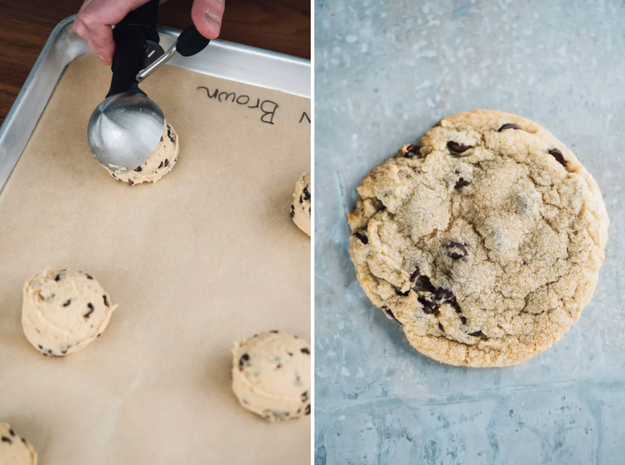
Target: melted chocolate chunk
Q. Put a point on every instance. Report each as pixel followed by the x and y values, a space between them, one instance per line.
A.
pixel 413 151
pixel 508 126
pixel 305 350
pixel 88 276
pixel 166 162
pixel 455 250
pixel 171 135
pixel 399 292
pixel 292 211
pixel 478 334
pixel 457 147
pixel 463 319
pixel 138 169
pixel 304 396
pixel 244 361
pixel 442 294
pixel 423 284
pixel 363 238
pixel 306 193
pixel 131 182
pixel 429 308
pixel 440 326
pixel 106 300
pixel 7 439
pixel 57 277
pixel 91 309
pixel 461 183
pixel 11 432
pixel 415 274
pixel 559 156
pixel 161 165
pixel 392 315
pixel 66 304
pixel 307 410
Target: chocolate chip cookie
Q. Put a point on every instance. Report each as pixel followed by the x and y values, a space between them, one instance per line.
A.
pixel 484 241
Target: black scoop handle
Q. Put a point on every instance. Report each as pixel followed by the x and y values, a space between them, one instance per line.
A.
pixel 190 42
pixel 130 36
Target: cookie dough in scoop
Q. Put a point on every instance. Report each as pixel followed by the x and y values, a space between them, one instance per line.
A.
pixel 158 165
pixel 14 449
pixel 271 375
pixel 64 311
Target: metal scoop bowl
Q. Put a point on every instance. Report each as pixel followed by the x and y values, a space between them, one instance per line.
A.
pixel 124 130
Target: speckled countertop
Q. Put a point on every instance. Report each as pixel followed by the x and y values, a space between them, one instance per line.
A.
pixel 385 72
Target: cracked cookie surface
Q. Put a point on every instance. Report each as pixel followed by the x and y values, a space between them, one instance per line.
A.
pixel 484 241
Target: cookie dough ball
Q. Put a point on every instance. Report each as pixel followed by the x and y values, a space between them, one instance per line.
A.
pixel 160 163
pixel 300 208
pixel 484 242
pixel 271 375
pixel 64 311
pixel 14 449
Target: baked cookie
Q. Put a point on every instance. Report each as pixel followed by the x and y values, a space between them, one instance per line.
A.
pixel 160 163
pixel 14 449
pixel 271 375
pixel 300 208
pixel 484 241
pixel 64 311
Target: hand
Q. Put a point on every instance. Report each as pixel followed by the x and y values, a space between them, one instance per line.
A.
pixel 96 17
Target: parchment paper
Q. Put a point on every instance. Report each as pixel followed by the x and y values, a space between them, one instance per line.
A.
pixel 206 256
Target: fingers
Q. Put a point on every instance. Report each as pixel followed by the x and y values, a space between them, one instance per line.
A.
pixel 207 15
pixel 94 22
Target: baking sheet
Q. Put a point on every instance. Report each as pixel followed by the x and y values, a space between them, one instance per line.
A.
pixel 204 257
pixel 385 73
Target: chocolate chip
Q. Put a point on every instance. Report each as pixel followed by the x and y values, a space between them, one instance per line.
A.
pixel 307 410
pixel 279 365
pixel 131 182
pixel 166 162
pixel 11 432
pixel 99 334
pixel 290 353
pixel 274 331
pixel 415 274
pixel 161 138
pixel 461 183
pixel 429 308
pixel 392 315
pixel 304 396
pixel 244 361
pixel 7 439
pixel 399 292
pixel 457 147
pixel 292 211
pixel 91 309
pixel 66 304
pixel 161 165
pixel 106 300
pixel 171 135
pixel 463 319
pixel 412 151
pixel 306 193
pixel 363 238
pixel 24 441
pixel 455 250
pixel 442 294
pixel 508 126
pixel 423 284
pixel 64 351
pixel 40 347
pixel 113 174
pixel 138 169
pixel 58 277
pixel 558 155
pixel 305 350
pixel 440 326
pixel 478 334
pixel 88 276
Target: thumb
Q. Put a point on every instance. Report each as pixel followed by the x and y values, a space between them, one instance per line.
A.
pixel 206 15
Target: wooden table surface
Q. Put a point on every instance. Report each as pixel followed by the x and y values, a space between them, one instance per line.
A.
pixel 278 25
